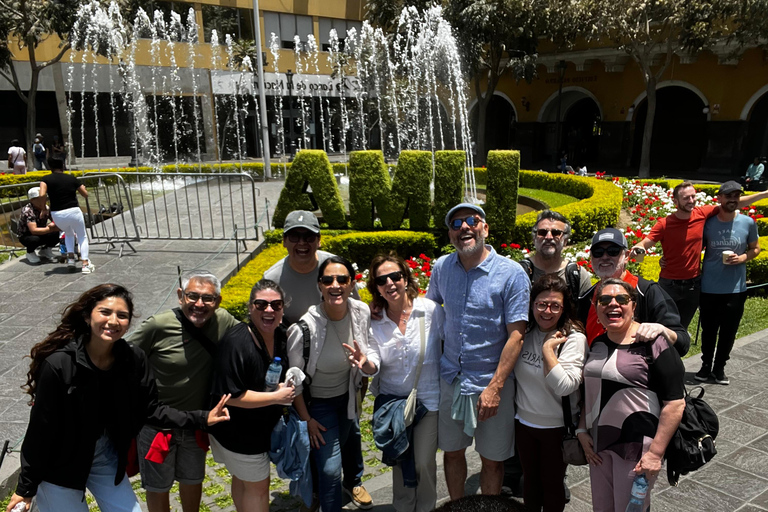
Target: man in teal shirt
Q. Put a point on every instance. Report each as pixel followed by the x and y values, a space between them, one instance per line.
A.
pixel 754 174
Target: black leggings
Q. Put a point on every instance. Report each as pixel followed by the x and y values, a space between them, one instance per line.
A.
pixel 719 312
pixel 541 455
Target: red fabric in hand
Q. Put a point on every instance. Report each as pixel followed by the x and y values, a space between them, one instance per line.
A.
pixel 159 448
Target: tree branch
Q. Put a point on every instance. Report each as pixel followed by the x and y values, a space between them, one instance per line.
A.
pixel 58 57
pixel 14 81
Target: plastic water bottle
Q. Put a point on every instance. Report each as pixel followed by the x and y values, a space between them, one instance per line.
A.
pixel 20 507
pixel 639 491
pixel 273 374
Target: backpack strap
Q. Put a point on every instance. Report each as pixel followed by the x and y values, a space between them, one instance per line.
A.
pixel 307 337
pixel 528 267
pixel 573 279
pixel 196 332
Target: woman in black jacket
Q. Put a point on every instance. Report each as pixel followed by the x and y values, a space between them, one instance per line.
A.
pixel 91 393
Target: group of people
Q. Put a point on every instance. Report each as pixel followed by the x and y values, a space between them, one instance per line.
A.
pixel 17 155
pixel 499 353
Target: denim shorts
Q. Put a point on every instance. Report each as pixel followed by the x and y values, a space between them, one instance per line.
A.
pixel 185 461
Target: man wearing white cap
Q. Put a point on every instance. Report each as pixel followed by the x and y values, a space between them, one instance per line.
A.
pixel 36 230
pixel 485 297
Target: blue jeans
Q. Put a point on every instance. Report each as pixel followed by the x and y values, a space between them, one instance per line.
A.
pixel 332 414
pixel 101 483
pixel 352 457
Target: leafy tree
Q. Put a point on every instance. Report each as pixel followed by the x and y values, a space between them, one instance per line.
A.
pixel 647 29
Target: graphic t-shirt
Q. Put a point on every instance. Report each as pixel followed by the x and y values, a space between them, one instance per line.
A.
pixel 681 240
pixel 720 236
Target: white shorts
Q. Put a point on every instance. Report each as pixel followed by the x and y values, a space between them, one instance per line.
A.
pixel 248 468
pixel 494 437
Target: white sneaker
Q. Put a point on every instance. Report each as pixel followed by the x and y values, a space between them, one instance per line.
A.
pixel 89 268
pixel 71 263
pixel 33 258
pixel 46 253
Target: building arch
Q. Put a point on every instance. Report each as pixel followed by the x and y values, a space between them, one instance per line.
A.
pixel 670 83
pixel 751 102
pixel 473 103
pixel 499 127
pixel 571 94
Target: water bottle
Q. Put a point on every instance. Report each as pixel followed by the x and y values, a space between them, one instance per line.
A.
pixel 639 491
pixel 20 507
pixel 273 374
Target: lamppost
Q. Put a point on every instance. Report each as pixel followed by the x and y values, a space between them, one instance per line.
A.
pixel 292 149
pixel 561 66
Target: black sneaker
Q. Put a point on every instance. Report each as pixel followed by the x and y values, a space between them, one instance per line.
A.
pixel 703 374
pixel 720 377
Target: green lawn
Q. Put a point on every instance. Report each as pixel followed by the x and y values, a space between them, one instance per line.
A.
pixel 755 319
pixel 552 199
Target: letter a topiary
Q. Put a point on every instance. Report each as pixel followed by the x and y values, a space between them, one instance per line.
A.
pixel 449 182
pixel 501 192
pixel 311 167
pixel 410 189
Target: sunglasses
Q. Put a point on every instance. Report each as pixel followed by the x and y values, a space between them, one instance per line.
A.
pixel 472 221
pixel 621 300
pixel 382 280
pixel 194 297
pixel 262 304
pixel 554 307
pixel 556 233
pixel 328 280
pixel 294 238
pixel 613 251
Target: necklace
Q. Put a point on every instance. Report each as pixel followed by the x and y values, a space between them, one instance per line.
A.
pixel 404 315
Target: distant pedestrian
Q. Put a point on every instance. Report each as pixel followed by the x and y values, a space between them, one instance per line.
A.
pixel 751 180
pixel 65 210
pixel 36 230
pixel 41 154
pixel 58 150
pixel 17 158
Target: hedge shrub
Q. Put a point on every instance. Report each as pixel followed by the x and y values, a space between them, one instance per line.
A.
pixel 275 236
pixel 757 269
pixel 361 247
pixel 501 191
pixel 311 167
pixel 410 188
pixel 449 183
pixel 235 294
pixel 369 187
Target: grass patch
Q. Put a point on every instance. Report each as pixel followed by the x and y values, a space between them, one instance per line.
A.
pixel 372 461
pixel 223 501
pixel 275 484
pixel 551 199
pixel 213 489
pixel 366 431
pixel 755 319
pixel 222 472
pixel 367 477
pixel 210 462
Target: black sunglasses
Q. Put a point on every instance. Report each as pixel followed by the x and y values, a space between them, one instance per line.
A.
pixel 556 233
pixel 613 251
pixel 382 280
pixel 328 280
pixel 621 300
pixel 295 237
pixel 472 221
pixel 261 304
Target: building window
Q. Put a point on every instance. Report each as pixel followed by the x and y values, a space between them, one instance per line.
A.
pixel 227 20
pixel 341 26
pixel 285 26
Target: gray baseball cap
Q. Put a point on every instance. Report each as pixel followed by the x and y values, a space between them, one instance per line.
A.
pixel 611 235
pixel 461 206
pixel 301 219
pixel 730 186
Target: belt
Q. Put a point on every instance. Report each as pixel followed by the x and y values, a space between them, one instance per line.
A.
pixel 681 282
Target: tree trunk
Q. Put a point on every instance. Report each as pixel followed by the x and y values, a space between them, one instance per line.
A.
pixel 32 117
pixel 645 154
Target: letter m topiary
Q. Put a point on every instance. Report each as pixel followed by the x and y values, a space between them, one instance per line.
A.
pixel 311 168
pixel 501 192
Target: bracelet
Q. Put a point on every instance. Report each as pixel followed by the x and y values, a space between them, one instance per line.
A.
pixel 582 431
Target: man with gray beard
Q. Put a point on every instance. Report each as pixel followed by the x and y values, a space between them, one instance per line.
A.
pixel 656 311
pixel 485 297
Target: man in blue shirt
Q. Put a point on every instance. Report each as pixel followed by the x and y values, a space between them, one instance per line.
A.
pixel 755 171
pixel 730 240
pixel 485 297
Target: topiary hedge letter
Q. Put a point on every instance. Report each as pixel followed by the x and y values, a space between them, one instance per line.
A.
pixel 501 192
pixel 449 183
pixel 311 167
pixel 371 187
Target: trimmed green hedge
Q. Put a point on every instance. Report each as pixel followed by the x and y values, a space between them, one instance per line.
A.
pixel 361 247
pixel 501 192
pixel 369 187
pixel 311 167
pixel 236 292
pixel 410 189
pixel 757 269
pixel 449 183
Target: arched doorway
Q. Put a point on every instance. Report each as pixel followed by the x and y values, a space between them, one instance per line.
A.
pixel 756 141
pixel 580 121
pixel 499 123
pixel 679 140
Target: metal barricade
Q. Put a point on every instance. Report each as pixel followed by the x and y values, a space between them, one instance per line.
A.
pixel 192 206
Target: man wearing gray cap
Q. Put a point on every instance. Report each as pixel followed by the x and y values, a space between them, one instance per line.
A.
pixel 656 311
pixel 297 276
pixel 730 240
pixel 485 297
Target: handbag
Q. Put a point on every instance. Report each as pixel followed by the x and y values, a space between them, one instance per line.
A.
pixel 411 402
pixel 573 453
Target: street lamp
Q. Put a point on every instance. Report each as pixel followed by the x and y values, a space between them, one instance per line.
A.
pixel 561 66
pixel 292 149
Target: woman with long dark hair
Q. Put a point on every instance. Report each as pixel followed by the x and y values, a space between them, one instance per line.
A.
pixel 91 393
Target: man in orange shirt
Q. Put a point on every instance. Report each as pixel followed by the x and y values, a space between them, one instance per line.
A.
pixel 681 236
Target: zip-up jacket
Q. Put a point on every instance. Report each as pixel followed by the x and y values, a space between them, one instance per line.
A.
pixel 59 445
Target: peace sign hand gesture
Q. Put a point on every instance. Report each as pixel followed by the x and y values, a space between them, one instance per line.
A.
pixel 358 359
pixel 219 413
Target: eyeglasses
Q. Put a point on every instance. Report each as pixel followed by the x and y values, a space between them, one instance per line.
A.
pixel 613 251
pixel 261 304
pixel 554 307
pixel 194 297
pixel 295 237
pixel 382 280
pixel 472 221
pixel 556 233
pixel 621 300
pixel 328 280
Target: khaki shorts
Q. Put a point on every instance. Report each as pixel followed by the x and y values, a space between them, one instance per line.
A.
pixel 494 437
pixel 248 468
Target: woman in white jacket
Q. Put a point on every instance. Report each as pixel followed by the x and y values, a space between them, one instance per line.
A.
pixel 339 333
pixel 549 368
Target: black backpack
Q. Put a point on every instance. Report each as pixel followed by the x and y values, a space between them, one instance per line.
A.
pixel 693 444
pixel 572 276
